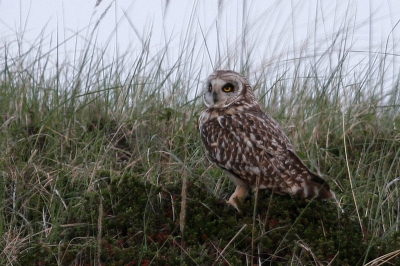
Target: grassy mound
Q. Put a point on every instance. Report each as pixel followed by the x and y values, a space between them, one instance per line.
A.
pixel 102 164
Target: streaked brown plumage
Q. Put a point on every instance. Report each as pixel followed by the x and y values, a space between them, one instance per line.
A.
pixel 249 145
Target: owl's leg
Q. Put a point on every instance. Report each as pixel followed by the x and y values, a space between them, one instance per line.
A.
pixel 238 196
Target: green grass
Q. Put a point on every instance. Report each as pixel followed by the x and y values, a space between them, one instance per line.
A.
pixel 96 156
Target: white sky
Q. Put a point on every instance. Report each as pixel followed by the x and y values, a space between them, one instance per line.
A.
pixel 276 30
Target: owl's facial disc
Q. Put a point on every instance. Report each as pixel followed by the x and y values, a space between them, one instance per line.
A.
pixel 220 93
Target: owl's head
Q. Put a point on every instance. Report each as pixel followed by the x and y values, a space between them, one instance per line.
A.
pixel 225 87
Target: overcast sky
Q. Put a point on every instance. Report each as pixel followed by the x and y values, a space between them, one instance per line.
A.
pixel 273 27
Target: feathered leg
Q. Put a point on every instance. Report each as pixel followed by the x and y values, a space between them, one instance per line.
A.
pixel 238 196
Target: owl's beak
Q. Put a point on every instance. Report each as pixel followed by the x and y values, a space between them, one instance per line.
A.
pixel 215 97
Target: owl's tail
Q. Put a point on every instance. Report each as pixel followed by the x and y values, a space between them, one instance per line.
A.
pixel 316 186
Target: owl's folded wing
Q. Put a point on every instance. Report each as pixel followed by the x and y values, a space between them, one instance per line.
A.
pixel 266 147
pixel 260 139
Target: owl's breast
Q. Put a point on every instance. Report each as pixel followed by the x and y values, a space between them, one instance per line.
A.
pixel 231 151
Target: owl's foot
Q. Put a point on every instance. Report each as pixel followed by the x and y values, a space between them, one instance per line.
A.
pixel 238 196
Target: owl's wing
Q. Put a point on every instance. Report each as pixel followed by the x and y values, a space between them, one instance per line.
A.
pixel 259 138
pixel 251 145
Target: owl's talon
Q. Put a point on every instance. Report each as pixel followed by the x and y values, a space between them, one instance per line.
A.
pixel 232 202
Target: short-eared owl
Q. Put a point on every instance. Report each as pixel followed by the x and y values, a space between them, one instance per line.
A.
pixel 249 145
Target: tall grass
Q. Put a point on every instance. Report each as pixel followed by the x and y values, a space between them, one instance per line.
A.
pixel 95 151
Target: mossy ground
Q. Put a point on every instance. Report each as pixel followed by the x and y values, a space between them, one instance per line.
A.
pixel 140 226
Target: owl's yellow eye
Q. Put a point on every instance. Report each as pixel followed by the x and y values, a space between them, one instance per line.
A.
pixel 227 88
pixel 210 88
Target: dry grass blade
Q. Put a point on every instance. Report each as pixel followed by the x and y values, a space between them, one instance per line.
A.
pixel 384 259
pixel 221 254
pixel 309 250
pixel 350 177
